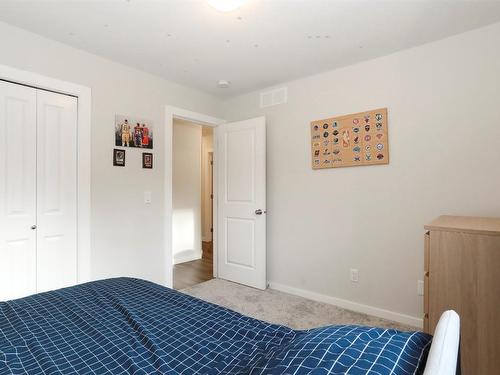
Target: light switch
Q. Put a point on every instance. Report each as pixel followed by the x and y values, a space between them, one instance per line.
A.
pixel 147 197
pixel 420 287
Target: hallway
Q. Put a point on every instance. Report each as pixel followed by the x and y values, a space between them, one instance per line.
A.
pixel 197 271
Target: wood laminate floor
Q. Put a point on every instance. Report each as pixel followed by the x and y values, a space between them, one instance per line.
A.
pixel 197 271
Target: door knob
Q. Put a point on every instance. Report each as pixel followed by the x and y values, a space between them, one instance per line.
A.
pixel 33 227
pixel 259 212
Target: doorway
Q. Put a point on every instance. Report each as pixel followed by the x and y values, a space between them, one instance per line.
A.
pixel 239 216
pixel 192 203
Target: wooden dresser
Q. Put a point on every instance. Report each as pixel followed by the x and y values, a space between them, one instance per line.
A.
pixel 462 272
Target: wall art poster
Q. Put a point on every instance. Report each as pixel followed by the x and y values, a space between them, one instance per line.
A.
pixel 133 132
pixel 350 140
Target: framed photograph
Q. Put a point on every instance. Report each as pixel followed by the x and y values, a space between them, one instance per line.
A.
pixel 118 157
pixel 147 160
pixel 133 132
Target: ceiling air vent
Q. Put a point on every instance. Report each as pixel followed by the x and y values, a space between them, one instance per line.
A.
pixel 273 97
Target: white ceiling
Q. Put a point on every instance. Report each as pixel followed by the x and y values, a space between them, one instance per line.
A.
pixel 264 43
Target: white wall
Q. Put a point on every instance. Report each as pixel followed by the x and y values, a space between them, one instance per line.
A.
pixel 186 192
pixel 207 141
pixel 444 112
pixel 444 132
pixel 127 235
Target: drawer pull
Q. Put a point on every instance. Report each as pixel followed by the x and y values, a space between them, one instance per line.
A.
pixel 426 273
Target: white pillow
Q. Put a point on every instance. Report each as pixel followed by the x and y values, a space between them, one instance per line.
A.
pixel 443 355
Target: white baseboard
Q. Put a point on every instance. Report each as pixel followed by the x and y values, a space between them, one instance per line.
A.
pixel 187 258
pixel 350 305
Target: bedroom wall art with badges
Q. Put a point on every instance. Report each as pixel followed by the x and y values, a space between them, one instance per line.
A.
pixel 350 140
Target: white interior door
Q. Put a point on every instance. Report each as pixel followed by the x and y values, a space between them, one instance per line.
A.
pixel 241 229
pixel 56 191
pixel 17 191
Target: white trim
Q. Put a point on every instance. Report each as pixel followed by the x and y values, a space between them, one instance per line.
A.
pixel 199 118
pixel 215 203
pixel 202 119
pixel 188 258
pixel 350 305
pixel 84 96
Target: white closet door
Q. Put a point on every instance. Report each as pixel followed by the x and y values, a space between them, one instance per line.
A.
pixel 17 191
pixel 56 191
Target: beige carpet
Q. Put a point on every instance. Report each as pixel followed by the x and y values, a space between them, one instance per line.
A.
pixel 282 308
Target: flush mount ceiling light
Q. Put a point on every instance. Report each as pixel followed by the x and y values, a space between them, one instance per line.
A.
pixel 226 5
pixel 223 83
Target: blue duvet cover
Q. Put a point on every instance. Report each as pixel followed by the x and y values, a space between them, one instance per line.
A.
pixel 131 326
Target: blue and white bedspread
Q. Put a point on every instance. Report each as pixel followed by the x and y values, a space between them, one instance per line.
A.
pixel 131 326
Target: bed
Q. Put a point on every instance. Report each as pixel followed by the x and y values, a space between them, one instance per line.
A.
pixel 132 326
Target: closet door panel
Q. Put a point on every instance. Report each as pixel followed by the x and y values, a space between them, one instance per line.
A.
pixel 56 191
pixel 17 191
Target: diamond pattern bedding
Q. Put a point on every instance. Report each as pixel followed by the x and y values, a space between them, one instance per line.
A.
pixel 131 326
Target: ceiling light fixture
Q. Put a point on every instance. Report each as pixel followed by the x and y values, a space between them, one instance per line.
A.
pixel 223 83
pixel 226 5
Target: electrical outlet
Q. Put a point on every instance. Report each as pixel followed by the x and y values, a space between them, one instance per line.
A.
pixel 420 287
pixel 354 275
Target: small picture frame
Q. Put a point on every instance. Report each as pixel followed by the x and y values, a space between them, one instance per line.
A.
pixel 147 160
pixel 118 157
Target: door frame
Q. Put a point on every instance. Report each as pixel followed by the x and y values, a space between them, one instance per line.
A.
pixel 172 113
pixel 84 98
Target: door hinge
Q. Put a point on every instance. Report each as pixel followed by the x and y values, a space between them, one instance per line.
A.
pixel 211 162
pixel 211 196
pixel 211 230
